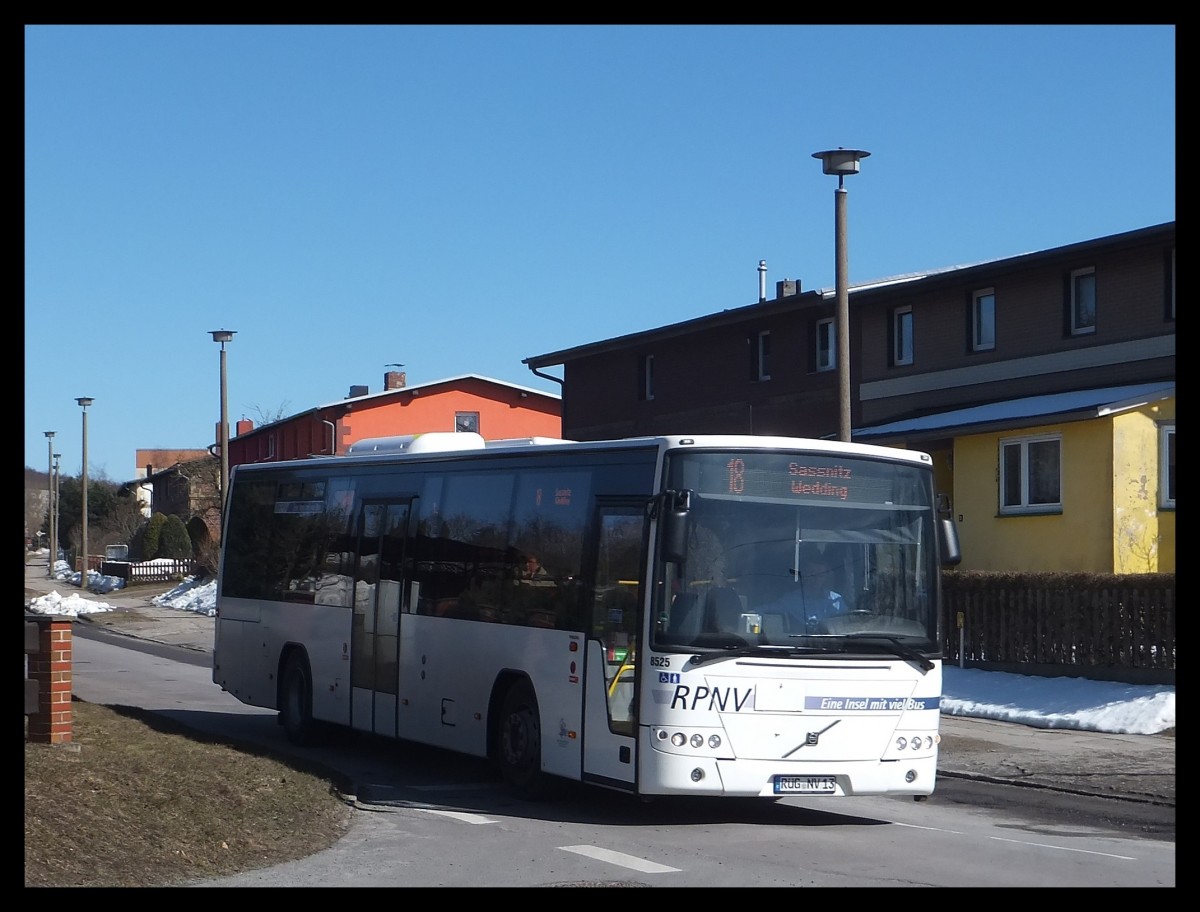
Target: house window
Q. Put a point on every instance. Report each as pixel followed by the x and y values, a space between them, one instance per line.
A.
pixel 983 320
pixel 763 356
pixel 466 422
pixel 647 385
pixel 1083 301
pixel 1031 475
pixel 1166 466
pixel 902 336
pixel 826 351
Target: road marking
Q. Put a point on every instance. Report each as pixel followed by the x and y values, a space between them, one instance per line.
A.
pixel 1042 845
pixel 461 817
pixel 620 858
pixel 401 804
pixel 913 826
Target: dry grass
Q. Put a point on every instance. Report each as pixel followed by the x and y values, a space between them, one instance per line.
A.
pixel 135 800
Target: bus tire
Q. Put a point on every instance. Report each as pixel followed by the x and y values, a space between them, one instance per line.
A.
pixel 521 743
pixel 295 701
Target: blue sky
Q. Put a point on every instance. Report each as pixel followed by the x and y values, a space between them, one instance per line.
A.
pixel 460 198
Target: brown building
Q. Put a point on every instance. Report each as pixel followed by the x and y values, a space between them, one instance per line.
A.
pixel 150 461
pixel 939 361
pixel 190 489
pixel 916 346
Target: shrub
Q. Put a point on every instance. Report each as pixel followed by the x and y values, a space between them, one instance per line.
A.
pixel 150 543
pixel 174 540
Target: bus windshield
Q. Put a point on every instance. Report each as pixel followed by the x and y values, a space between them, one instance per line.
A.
pixel 807 553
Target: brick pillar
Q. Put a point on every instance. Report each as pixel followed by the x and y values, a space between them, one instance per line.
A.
pixel 51 668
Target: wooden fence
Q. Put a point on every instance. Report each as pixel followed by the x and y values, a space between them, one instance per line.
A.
pixel 156 571
pixel 1089 625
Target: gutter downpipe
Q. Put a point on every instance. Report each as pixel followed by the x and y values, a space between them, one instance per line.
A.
pixel 538 373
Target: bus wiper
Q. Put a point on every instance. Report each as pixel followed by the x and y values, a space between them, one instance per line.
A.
pixel 722 652
pixel 898 647
pixel 760 650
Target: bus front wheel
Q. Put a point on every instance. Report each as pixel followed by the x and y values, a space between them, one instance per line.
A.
pixel 295 706
pixel 521 743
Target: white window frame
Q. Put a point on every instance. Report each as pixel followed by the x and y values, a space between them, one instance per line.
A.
pixel 983 319
pixel 763 362
pixel 1021 500
pixel 902 336
pixel 1083 301
pixel 1166 466
pixel 648 377
pixel 825 357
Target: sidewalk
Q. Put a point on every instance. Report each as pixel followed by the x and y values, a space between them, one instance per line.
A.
pixel 1130 767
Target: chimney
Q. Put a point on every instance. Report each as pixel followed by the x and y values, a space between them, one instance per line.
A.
pixel 356 391
pixel 787 288
pixel 394 380
pixel 762 281
pixel 244 426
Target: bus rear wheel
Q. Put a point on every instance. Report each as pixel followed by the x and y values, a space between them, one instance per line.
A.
pixel 295 705
pixel 521 743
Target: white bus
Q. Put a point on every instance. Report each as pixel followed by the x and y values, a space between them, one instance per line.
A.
pixel 657 649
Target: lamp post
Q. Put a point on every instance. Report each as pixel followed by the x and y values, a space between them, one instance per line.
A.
pixel 84 402
pixel 223 336
pixel 50 518
pixel 54 526
pixel 842 162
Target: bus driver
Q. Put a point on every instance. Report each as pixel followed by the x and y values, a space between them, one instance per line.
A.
pixel 809 599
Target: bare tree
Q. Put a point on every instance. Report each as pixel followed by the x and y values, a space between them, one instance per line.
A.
pixel 268 416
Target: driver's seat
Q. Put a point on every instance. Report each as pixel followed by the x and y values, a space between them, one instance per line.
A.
pixel 724 610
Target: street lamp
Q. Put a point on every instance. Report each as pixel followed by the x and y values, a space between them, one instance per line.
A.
pixel 84 402
pixel 50 482
pixel 54 525
pixel 842 162
pixel 223 336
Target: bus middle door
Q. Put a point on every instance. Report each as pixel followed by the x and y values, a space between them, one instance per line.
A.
pixel 378 593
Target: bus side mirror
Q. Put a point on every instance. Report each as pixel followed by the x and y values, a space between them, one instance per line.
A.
pixel 673 524
pixel 948 547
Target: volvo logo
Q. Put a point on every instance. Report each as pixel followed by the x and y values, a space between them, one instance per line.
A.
pixel 812 738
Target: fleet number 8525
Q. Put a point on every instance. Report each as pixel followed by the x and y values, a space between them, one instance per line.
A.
pixel 660 661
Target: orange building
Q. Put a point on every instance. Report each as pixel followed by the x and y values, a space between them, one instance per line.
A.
pixel 493 408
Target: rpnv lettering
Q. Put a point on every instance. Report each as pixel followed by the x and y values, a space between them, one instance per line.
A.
pixel 714 699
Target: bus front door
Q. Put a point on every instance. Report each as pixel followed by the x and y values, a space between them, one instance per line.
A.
pixel 378 593
pixel 610 734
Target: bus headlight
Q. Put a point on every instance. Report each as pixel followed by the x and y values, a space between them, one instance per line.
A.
pixel 912 743
pixel 705 741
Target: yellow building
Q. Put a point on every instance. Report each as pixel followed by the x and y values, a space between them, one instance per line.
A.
pixel 1081 481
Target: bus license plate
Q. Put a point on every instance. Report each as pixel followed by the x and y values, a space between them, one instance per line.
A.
pixel 805 785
